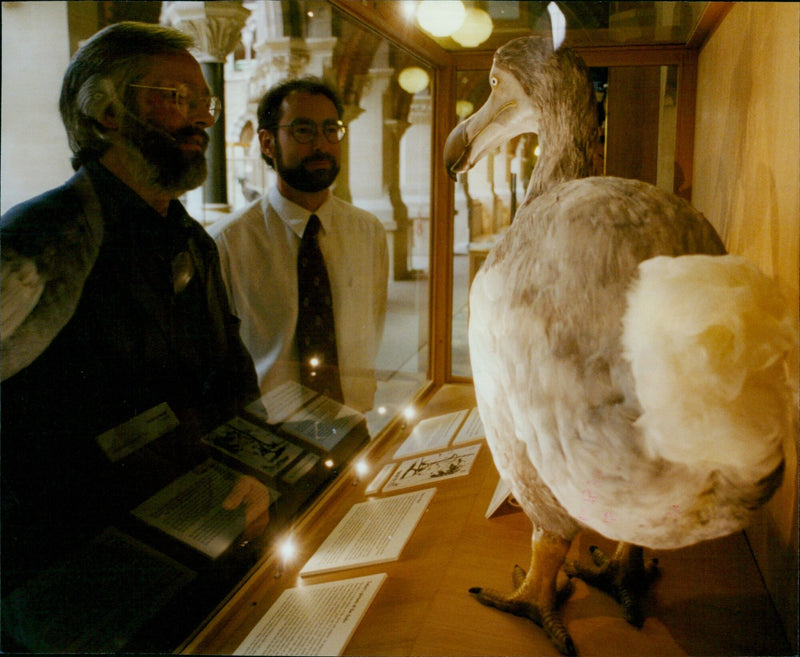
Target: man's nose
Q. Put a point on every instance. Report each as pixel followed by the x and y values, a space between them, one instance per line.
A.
pixel 200 115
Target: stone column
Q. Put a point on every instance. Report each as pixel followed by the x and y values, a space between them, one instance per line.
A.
pixel 216 28
pixel 392 134
pixel 342 185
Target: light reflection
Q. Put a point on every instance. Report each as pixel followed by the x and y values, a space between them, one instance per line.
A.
pixel 288 550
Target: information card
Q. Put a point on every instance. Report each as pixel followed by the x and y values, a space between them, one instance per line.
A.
pixel 472 429
pixel 430 468
pixel 372 532
pixel 281 402
pixel 431 434
pixel 313 620
pixel 190 509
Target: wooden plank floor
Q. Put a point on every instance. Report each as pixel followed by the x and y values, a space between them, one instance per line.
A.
pixel 709 600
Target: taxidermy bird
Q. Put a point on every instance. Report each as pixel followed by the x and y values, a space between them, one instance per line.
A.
pixel 632 378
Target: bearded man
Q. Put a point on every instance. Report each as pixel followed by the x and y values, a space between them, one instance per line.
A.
pixel 113 306
pixel 268 248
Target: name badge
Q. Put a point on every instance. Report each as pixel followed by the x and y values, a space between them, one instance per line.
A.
pixel 144 428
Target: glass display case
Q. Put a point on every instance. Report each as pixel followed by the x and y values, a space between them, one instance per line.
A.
pixel 404 89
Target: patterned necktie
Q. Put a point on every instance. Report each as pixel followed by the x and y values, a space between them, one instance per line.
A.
pixel 315 333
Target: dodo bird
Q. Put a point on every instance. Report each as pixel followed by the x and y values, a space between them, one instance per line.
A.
pixel 632 378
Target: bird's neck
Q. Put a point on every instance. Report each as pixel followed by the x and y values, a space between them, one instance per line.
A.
pixel 566 152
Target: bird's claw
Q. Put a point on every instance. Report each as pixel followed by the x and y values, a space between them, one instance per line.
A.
pixel 544 615
pixel 626 580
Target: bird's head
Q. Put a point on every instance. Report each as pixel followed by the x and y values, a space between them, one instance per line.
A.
pixel 531 86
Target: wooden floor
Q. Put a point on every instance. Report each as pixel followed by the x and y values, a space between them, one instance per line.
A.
pixel 709 600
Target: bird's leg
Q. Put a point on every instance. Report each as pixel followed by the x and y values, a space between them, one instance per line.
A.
pixel 538 594
pixel 625 577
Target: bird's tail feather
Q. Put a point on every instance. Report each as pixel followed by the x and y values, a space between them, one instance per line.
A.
pixel 710 339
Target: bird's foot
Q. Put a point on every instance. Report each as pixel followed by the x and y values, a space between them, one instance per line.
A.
pixel 542 610
pixel 625 577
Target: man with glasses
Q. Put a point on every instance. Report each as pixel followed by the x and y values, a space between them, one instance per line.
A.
pixel 267 248
pixel 113 307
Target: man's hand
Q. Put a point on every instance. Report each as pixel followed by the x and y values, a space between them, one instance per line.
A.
pixel 254 495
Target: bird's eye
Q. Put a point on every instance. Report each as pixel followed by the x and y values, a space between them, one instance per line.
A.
pixel 493 81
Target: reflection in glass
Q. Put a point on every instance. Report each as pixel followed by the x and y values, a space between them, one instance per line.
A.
pixel 588 23
pixel 182 551
pixel 385 159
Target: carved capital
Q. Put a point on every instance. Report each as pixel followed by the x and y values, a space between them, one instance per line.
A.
pixel 215 26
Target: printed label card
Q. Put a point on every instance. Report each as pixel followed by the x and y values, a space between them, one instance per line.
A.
pixel 432 468
pixel 431 434
pixel 253 445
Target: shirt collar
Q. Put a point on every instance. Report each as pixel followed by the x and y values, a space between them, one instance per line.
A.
pixel 296 217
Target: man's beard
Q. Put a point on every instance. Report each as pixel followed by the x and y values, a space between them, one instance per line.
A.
pixel 163 163
pixel 305 180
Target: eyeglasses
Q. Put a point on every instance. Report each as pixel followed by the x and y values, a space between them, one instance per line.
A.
pixel 186 99
pixel 305 130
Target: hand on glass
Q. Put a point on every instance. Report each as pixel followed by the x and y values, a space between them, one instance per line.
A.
pixel 254 495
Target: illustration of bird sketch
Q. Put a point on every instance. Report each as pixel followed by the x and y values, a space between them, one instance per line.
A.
pixel 253 445
pixel 433 467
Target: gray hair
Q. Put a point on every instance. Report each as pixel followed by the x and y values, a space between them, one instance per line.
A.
pixel 98 76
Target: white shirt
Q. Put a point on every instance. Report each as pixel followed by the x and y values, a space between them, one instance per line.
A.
pixel 258 253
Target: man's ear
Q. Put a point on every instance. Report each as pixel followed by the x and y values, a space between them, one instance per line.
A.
pixel 108 118
pixel 97 99
pixel 267 142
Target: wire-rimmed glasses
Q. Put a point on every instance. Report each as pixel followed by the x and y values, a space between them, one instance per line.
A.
pixel 186 99
pixel 305 130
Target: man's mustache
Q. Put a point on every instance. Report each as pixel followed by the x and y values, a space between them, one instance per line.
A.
pixel 191 131
pixel 316 157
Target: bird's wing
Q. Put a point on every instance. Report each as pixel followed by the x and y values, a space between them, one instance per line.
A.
pixel 555 390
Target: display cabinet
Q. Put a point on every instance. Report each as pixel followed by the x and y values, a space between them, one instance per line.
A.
pixel 404 91
pixel 645 64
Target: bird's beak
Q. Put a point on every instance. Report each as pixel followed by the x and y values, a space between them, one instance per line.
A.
pixel 471 139
pixel 456 151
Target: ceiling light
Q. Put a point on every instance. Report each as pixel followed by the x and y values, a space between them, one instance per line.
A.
pixel 413 79
pixel 477 27
pixel 464 109
pixel 441 17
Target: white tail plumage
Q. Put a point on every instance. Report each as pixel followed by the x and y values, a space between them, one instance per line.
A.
pixel 708 339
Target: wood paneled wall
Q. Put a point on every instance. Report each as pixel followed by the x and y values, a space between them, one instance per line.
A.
pixel 747 182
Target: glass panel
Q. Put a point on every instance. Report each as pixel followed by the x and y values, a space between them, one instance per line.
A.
pixel 172 582
pixel 588 23
pixel 385 170
pixel 638 109
pixel 385 165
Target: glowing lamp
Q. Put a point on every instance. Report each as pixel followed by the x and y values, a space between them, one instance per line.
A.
pixel 441 17
pixel 464 109
pixel 413 79
pixel 477 27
